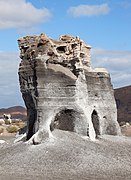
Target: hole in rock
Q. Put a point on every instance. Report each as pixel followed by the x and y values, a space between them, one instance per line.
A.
pixel 64 120
pixel 61 49
pixel 95 121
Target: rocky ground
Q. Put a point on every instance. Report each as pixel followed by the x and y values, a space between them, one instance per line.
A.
pixel 67 156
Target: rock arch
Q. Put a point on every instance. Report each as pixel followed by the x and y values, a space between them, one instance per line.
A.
pixel 69 120
pixel 64 120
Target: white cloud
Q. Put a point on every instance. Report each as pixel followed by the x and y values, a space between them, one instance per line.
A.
pixel 9 84
pixel 89 10
pixel 21 14
pixel 118 63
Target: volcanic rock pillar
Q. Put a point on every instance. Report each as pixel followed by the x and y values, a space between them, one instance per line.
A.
pixel 62 91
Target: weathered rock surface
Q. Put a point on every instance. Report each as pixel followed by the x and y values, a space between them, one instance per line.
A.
pixel 60 89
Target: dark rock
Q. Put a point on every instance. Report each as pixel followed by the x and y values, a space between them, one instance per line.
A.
pixel 22 130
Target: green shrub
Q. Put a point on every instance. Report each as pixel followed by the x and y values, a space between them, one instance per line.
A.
pixel 1 130
pixel 12 129
pixel 20 124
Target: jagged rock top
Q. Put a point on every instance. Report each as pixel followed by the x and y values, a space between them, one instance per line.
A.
pixel 44 48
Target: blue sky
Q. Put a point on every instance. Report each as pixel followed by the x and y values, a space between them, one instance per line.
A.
pixel 104 24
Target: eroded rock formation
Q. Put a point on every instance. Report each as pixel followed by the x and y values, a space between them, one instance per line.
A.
pixel 61 90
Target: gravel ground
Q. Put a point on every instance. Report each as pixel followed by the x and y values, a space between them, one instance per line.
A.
pixel 67 156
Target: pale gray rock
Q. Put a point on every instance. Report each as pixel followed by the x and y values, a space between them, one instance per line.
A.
pixel 62 91
pixel 2 141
